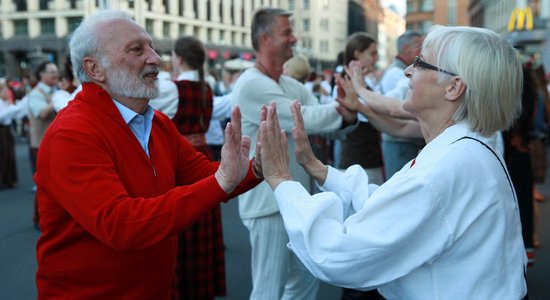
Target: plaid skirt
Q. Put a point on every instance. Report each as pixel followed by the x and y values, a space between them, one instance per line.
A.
pixel 8 170
pixel 200 268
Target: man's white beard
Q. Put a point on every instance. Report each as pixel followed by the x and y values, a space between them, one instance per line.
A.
pixel 122 82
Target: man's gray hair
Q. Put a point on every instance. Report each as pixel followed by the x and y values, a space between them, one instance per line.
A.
pixel 85 40
pixel 407 38
pixel 263 21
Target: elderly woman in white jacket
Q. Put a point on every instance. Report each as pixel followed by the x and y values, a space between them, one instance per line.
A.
pixel 446 226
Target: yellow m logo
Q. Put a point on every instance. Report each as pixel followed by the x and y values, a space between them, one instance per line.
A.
pixel 520 18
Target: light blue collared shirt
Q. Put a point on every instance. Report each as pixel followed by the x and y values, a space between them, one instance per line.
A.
pixel 139 124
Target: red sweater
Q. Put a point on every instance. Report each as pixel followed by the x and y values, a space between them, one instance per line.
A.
pixel 109 213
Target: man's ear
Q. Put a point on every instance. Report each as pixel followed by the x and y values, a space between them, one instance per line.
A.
pixel 455 89
pixel 264 39
pixel 94 70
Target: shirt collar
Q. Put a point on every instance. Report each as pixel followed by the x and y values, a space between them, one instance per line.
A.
pixel 46 88
pixel 128 115
pixel 189 75
pixel 455 132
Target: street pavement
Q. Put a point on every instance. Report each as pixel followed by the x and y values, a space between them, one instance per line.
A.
pixel 18 242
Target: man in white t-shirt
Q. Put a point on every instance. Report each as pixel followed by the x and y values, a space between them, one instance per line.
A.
pixel 276 271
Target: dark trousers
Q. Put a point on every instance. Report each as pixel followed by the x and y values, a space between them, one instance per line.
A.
pixel 521 173
pixel 33 154
pixel 350 294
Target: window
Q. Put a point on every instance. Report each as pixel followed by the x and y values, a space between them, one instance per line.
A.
pixel 47 26
pixel 410 6
pixel 306 43
pixel 196 8
pixel 324 24
pixel 43 5
pixel 2 66
pixel 426 25
pixel 181 30
pixel 73 23
pixel 291 5
pixel 208 10
pixel 451 12
pixel 305 25
pixel 166 29
pixel 166 4
pixel 149 26
pixel 306 4
pixel 149 5
pixel 427 5
pixel 242 16
pixel 209 34
pixel 21 27
pixel 131 4
pixel 324 46
pixel 20 5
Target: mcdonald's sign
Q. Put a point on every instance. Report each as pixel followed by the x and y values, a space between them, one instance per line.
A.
pixel 521 18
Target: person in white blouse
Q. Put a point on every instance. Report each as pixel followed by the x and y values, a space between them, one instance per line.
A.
pixel 446 226
pixel 8 113
pixel 167 100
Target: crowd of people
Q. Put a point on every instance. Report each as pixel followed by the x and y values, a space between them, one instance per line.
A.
pixel 371 175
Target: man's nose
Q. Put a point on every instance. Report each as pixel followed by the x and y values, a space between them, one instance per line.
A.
pixel 409 70
pixel 153 58
pixel 293 39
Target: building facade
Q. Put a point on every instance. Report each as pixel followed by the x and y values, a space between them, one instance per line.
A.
pixel 423 14
pixel 35 30
pixel 320 27
pixel 32 31
pixel 390 28
pixel 498 15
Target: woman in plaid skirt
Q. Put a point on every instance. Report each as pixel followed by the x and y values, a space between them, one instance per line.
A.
pixel 200 270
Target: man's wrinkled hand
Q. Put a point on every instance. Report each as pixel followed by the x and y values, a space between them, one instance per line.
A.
pixel 234 154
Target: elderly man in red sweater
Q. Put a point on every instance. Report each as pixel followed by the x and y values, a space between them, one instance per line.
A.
pixel 116 181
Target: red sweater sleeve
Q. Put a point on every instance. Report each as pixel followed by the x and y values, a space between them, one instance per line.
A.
pixel 86 179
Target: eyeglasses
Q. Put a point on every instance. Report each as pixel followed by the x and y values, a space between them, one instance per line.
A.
pixel 418 62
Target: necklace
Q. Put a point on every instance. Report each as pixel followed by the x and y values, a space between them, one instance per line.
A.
pixel 265 71
pixel 261 68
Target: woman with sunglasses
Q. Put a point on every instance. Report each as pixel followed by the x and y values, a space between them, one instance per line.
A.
pixel 446 226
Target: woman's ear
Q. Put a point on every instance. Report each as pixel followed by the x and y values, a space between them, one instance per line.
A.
pixel 356 54
pixel 455 89
pixel 94 70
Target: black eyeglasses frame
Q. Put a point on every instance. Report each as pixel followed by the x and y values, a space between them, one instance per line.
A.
pixel 418 62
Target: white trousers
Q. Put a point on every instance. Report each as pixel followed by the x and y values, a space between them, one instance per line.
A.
pixel 276 271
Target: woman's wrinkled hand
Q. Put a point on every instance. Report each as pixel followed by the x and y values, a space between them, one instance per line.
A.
pixel 273 149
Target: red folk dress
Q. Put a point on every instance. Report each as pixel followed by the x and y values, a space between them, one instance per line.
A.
pixel 200 272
